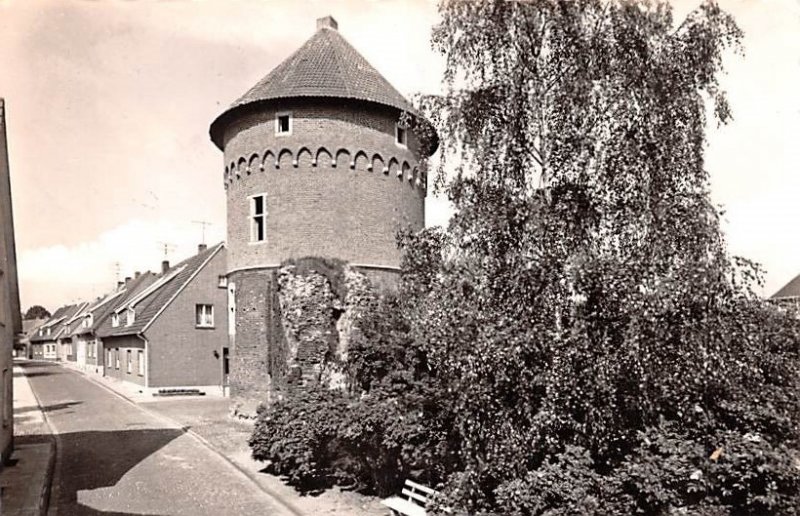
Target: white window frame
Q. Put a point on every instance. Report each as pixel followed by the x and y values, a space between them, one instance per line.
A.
pixel 251 217
pixel 397 141
pixel 278 117
pixel 114 320
pixel 129 360
pixel 203 315
pixel 130 316
pixel 223 282
pixel 140 362
pixel 116 359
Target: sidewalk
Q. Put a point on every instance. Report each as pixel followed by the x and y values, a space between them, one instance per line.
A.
pixel 25 482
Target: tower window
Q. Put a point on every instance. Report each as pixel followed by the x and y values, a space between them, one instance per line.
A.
pixel 258 218
pixel 283 123
pixel 401 134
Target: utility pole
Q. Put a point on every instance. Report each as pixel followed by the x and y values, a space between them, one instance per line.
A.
pixel 202 223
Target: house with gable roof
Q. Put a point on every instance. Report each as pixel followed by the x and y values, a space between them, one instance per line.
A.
pixel 171 334
pixel 45 343
pixel 788 296
pixel 67 347
pixel 89 355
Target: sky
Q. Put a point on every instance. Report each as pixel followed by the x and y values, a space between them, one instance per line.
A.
pixel 108 104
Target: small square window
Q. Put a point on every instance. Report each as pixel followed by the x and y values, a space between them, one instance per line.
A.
pixel 283 123
pixel 223 282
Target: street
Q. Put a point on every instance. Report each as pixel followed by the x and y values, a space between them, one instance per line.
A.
pixel 115 458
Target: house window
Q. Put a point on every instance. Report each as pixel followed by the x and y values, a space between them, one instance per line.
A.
pixel 401 135
pixel 130 316
pixel 116 358
pixel 129 365
pixel 258 218
pixel 283 123
pixel 223 282
pixel 114 320
pixel 109 358
pixel 204 316
pixel 140 362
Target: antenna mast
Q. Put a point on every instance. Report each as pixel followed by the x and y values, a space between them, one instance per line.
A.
pixel 203 224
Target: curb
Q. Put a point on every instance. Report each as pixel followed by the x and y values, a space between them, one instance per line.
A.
pixel 197 437
pixel 44 496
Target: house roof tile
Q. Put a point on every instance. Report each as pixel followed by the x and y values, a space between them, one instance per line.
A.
pixel 175 279
pixel 102 320
pixel 791 289
pixel 326 65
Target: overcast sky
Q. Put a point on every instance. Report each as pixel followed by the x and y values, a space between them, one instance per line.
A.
pixel 108 105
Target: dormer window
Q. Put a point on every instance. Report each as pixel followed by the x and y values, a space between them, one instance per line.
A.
pixel 283 123
pixel 130 316
pixel 401 135
pixel 48 331
pixel 87 321
pixel 114 320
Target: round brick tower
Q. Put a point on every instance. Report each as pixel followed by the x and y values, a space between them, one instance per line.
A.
pixel 320 159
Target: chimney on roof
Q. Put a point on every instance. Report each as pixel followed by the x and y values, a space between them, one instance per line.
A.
pixel 120 284
pixel 127 279
pixel 137 274
pixel 327 23
pixel 201 248
pixel 164 266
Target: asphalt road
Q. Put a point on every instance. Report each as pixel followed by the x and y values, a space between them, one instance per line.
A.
pixel 115 458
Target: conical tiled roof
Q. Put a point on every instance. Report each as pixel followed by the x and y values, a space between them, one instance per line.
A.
pixel 325 66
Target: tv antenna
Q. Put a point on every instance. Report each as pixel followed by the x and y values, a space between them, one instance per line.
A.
pixel 203 224
pixel 168 248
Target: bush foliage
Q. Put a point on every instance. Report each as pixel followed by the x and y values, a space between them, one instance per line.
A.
pixel 579 340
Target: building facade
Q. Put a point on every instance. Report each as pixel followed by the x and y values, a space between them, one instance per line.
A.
pixel 10 317
pixel 321 158
pixel 169 332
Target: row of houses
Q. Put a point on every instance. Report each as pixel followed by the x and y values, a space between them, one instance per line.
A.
pixel 161 332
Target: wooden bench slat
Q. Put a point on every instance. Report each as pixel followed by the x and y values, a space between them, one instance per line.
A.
pixel 404 506
pixel 424 489
pixel 416 496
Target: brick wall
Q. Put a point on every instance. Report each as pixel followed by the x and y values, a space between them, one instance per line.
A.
pixel 123 345
pixel 249 377
pixel 180 354
pixel 316 209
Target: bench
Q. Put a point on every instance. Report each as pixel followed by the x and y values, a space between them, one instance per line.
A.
pixel 414 505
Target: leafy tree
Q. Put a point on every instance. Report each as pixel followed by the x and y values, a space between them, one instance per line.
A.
pixel 603 351
pixel 37 312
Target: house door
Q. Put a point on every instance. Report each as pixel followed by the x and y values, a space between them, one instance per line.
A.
pixel 81 352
